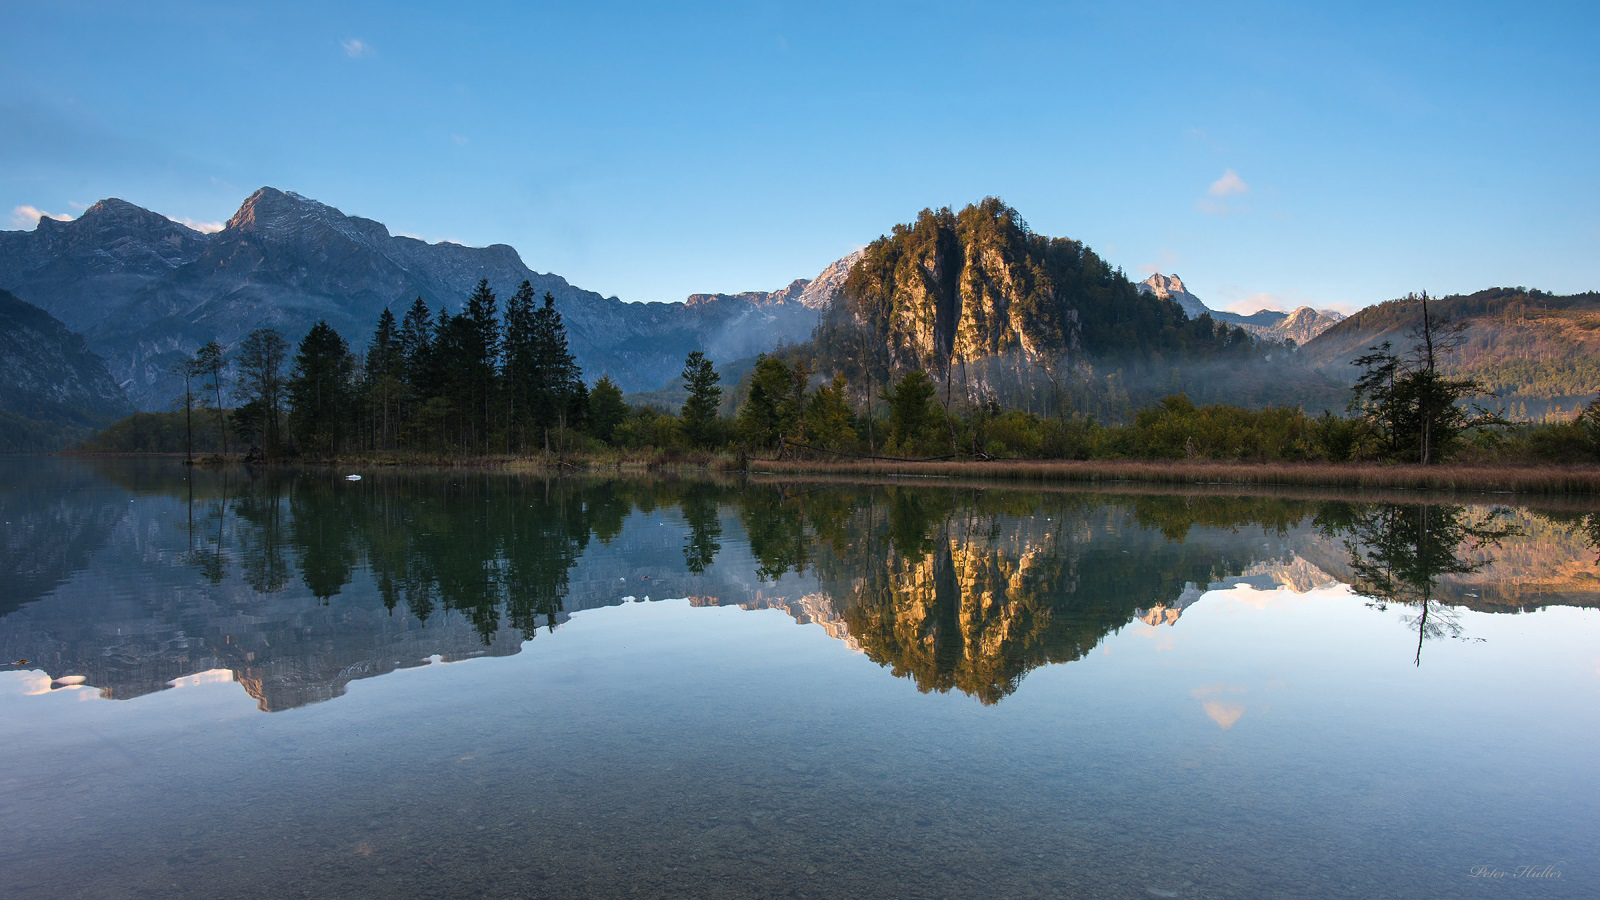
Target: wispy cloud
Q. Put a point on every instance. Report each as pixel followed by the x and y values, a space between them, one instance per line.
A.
pixel 1215 201
pixel 29 216
pixel 202 227
pixel 355 48
pixel 1229 184
pixel 460 139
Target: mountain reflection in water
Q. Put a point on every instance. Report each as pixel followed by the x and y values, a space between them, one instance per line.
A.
pixel 134 576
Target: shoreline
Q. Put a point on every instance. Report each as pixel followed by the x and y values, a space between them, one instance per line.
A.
pixel 1535 480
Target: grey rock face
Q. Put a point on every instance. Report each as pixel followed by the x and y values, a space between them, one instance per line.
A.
pixel 52 388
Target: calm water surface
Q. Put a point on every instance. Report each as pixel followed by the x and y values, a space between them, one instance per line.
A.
pixel 483 685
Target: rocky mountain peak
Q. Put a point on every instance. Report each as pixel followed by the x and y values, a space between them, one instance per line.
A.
pixel 1170 287
pixel 819 291
pixel 270 209
pixel 115 215
pixel 1165 285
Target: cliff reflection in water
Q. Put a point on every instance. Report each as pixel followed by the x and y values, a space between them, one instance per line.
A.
pixel 298 584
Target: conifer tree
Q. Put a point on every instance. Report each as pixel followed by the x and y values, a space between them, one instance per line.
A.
pixel 556 380
pixel 607 409
pixel 481 334
pixel 319 389
pixel 700 410
pixel 518 362
pixel 383 375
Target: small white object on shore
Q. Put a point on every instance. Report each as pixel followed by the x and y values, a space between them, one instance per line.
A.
pixel 352 478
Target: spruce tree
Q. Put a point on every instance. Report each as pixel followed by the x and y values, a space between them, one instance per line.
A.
pixel 518 363
pixel 383 376
pixel 556 380
pixel 700 410
pixel 319 389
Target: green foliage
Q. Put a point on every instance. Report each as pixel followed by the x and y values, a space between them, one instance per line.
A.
pixel 829 424
pixel 1412 412
pixel 771 411
pixel 1588 423
pixel 606 409
pixel 916 422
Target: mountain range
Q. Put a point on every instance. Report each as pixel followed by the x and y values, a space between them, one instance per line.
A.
pixel 145 291
pixel 1299 325
pixel 973 297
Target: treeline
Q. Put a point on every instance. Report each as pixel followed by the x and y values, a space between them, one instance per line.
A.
pixel 483 382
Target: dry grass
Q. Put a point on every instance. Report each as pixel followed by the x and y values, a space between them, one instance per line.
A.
pixel 1535 480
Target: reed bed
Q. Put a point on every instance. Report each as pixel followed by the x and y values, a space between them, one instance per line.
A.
pixel 1534 480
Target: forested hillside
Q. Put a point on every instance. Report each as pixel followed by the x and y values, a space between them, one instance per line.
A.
pixel 1538 353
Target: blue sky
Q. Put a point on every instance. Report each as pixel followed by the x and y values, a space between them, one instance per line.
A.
pixel 1271 155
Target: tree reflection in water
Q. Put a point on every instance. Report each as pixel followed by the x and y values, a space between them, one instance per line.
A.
pixel 955 588
pixel 1399 553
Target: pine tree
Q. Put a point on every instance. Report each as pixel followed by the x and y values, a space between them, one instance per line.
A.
pixel 700 410
pixel 607 409
pixel 319 389
pixel 556 382
pixel 383 375
pixel 518 363
pixel 481 355
pixel 769 414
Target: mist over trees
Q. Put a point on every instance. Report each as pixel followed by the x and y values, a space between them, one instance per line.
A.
pixel 960 335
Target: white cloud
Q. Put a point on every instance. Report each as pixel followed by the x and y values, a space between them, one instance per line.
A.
pixel 1230 183
pixel 202 227
pixel 461 140
pixel 29 216
pixel 355 48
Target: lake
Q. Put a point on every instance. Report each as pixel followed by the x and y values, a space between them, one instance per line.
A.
pixel 470 684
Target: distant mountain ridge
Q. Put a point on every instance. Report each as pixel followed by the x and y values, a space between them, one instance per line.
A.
pixel 1299 325
pixel 146 291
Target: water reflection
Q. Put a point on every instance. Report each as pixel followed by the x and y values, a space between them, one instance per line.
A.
pixel 1399 554
pixel 132 576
